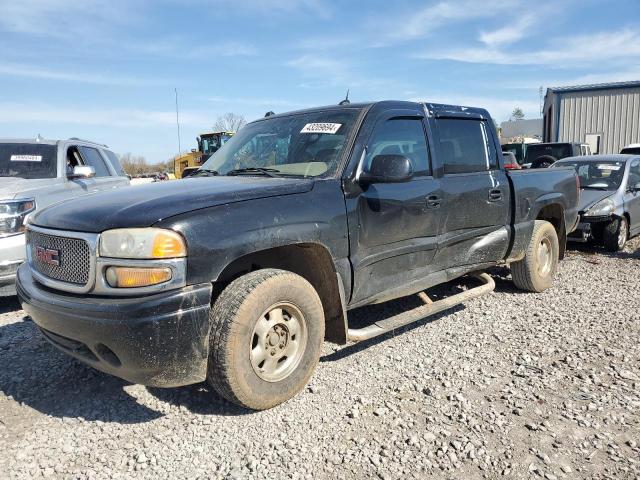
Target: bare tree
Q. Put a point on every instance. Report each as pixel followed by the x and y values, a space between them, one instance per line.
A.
pixel 229 122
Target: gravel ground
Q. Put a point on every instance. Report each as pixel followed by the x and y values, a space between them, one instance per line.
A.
pixel 511 385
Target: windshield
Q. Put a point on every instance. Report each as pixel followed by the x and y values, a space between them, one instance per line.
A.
pixel 597 175
pixel 557 151
pixel 303 145
pixel 27 160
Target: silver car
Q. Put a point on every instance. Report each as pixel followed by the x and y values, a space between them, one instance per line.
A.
pixel 37 173
pixel 609 198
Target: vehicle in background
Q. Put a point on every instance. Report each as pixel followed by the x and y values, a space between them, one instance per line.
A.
pixel 609 198
pixel 510 162
pixel 239 273
pixel 519 148
pixel 543 155
pixel 37 173
pixel 208 144
pixel 632 149
pixel 188 171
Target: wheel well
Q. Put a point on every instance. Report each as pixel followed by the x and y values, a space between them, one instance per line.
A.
pixel 554 214
pixel 311 261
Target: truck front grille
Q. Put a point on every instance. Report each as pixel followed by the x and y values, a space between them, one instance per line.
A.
pixel 69 259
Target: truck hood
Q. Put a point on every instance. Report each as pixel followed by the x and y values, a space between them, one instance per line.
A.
pixel 12 187
pixel 144 205
pixel 589 197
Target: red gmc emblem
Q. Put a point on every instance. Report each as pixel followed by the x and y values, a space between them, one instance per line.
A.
pixel 48 256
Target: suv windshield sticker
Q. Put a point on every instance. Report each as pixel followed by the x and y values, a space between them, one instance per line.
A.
pixel 330 128
pixel 604 166
pixel 26 158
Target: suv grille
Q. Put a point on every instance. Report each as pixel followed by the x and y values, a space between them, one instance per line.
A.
pixel 73 257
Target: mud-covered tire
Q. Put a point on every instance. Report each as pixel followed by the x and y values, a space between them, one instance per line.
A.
pixel 615 234
pixel 535 272
pixel 235 337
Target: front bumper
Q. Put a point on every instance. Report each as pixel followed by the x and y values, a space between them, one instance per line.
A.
pixel 159 340
pixel 588 228
pixel 12 254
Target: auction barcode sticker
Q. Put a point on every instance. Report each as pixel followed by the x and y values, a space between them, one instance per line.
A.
pixel 321 128
pixel 26 158
pixel 604 166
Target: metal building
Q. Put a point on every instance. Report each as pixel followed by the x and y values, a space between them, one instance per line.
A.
pixel 606 116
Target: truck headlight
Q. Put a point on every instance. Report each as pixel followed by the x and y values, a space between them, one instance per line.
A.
pixel 602 208
pixel 142 243
pixel 13 215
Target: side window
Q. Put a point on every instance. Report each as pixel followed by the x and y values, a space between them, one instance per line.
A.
pixel 465 146
pixel 93 158
pixel 634 173
pixel 400 136
pixel 115 163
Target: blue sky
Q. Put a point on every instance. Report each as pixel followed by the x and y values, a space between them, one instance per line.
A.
pixel 106 69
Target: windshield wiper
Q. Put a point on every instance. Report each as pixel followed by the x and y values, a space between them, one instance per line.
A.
pixel 206 172
pixel 272 172
pixel 589 187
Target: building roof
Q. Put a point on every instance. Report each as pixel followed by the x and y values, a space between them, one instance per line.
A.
pixel 595 86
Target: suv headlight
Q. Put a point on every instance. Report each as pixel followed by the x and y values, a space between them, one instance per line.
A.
pixel 13 215
pixel 142 243
pixel 602 208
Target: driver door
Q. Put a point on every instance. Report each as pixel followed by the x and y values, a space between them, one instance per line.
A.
pixel 395 239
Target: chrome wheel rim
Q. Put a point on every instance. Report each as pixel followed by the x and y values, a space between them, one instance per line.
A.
pixel 545 257
pixel 278 342
pixel 622 234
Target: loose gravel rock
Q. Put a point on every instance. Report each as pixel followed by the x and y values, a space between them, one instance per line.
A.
pixel 510 385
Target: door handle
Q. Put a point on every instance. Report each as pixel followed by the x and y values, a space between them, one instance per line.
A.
pixel 433 201
pixel 495 195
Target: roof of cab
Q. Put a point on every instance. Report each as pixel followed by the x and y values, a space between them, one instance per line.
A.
pixel 433 108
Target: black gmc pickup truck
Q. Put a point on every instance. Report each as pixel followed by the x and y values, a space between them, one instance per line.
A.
pixel 237 274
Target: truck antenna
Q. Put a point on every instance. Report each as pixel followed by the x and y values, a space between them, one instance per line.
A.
pixel 178 122
pixel 346 100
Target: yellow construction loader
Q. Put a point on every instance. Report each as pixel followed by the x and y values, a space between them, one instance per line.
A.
pixel 208 143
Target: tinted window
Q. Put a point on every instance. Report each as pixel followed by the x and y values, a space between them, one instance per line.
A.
pixel 634 173
pixel 631 150
pixel 28 160
pixel 465 146
pixel 115 163
pixel 400 136
pixel 92 157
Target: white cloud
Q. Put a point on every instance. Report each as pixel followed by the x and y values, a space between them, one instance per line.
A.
pixel 510 33
pixel 421 22
pixel 118 118
pixel 257 102
pixel 30 71
pixel 579 50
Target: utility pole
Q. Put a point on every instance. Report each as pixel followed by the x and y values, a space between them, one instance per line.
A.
pixel 178 122
pixel 541 101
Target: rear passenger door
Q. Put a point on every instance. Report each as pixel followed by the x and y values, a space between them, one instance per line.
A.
pixel 475 193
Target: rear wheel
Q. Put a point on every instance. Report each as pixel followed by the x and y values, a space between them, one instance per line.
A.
pixel 535 272
pixel 267 329
pixel 615 234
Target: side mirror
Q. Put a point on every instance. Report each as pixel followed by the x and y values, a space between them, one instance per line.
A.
pixel 82 171
pixel 387 169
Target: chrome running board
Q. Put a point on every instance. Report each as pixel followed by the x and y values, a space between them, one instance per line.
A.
pixel 429 308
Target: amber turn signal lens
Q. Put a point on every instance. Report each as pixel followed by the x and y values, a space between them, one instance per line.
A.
pixel 128 277
pixel 167 244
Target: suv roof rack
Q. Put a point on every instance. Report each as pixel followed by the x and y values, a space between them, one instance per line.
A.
pixel 88 141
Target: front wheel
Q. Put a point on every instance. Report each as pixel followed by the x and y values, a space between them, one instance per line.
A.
pixel 615 234
pixel 535 272
pixel 267 329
